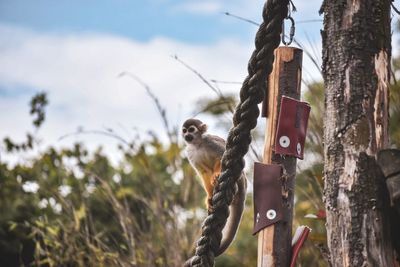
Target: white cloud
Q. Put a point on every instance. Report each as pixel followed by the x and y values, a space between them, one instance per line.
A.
pixel 80 74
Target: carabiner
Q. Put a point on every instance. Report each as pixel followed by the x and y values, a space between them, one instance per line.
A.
pixel 292 30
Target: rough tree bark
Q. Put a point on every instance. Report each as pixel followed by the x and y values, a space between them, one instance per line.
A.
pixel 356 59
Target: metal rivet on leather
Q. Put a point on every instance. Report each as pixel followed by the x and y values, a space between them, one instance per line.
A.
pixel 298 148
pixel 284 141
pixel 271 214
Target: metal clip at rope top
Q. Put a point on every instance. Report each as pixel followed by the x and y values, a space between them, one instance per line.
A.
pixel 292 31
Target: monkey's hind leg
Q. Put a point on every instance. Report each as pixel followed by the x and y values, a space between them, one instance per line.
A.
pixel 209 191
pixel 213 183
pixel 208 184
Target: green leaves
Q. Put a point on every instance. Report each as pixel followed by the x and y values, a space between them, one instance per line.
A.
pixel 112 215
pixel 37 104
pixel 147 207
pixel 216 106
pixel 37 108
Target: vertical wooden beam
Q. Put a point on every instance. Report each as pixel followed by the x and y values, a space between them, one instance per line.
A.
pixel 274 242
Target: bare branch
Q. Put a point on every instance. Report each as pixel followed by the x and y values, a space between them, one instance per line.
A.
pixel 395 9
pixel 309 21
pixel 241 18
pixel 225 82
pixel 258 24
pixel 216 90
pixel 161 110
pixel 99 132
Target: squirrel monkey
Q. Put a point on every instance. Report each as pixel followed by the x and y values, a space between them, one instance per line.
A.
pixel 204 152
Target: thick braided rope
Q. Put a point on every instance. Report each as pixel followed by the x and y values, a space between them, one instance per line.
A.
pixel 239 138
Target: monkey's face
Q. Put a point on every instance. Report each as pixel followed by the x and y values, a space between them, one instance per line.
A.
pixel 192 130
pixel 190 133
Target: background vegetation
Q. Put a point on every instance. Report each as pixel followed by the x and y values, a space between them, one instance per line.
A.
pixel 72 207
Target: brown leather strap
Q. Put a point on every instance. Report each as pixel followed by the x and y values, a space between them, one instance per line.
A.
pixel 267 195
pixel 292 127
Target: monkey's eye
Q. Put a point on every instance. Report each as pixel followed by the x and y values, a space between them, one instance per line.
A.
pixel 184 130
pixel 191 129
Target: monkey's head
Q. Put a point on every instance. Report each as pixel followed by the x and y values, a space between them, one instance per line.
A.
pixel 192 129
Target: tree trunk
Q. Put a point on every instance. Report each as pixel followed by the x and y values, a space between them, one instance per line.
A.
pixel 356 62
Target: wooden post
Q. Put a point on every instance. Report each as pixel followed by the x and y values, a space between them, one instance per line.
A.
pixel 274 242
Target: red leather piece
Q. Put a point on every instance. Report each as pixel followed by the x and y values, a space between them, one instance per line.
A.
pixel 299 244
pixel 268 207
pixel 292 127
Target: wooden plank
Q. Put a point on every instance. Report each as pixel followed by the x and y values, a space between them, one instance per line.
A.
pixel 274 242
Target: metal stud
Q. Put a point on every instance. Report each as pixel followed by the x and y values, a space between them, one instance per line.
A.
pixel 271 214
pixel 298 148
pixel 284 141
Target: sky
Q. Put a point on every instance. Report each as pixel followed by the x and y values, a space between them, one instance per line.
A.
pixel 76 50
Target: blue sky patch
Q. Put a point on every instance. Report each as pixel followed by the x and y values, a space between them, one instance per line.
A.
pixel 139 20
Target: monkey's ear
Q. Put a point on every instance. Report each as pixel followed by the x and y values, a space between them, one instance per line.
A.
pixel 203 128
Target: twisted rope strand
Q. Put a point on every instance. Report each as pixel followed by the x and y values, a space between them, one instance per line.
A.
pixel 239 138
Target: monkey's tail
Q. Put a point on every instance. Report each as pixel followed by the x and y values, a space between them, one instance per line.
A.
pixel 235 215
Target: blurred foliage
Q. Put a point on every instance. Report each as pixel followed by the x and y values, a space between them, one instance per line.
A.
pixel 216 106
pixel 38 104
pixel 309 208
pixel 72 207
